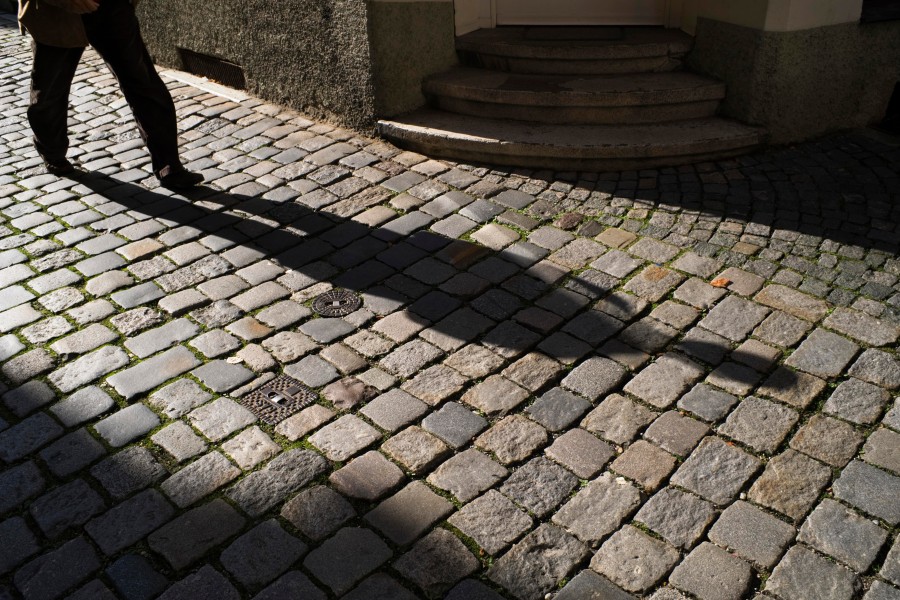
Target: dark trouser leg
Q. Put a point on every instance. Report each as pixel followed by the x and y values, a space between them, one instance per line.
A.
pixel 113 31
pixel 51 79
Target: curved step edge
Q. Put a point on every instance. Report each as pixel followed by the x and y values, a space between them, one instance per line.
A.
pixel 469 146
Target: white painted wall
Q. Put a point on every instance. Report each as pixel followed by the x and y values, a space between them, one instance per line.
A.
pixel 473 14
pixel 794 15
pixel 581 12
pixel 769 15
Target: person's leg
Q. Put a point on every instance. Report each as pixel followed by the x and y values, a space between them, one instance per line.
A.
pixel 51 79
pixel 113 31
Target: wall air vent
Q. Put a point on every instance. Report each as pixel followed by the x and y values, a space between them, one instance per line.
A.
pixel 214 69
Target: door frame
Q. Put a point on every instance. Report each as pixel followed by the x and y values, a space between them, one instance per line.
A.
pixel 482 14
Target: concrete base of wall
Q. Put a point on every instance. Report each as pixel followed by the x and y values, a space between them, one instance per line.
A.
pixel 409 41
pixel 805 83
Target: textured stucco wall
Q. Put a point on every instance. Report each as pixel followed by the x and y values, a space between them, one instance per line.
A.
pixel 312 55
pixel 805 83
pixel 409 40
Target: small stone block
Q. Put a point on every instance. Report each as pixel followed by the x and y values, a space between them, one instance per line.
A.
pixel 467 474
pixel 711 573
pixel 346 558
pixel 368 477
pixel 634 560
pixel 317 512
pixel 752 533
pixel 804 574
pixel 407 514
pixel 127 424
pixel 791 484
pixel 344 438
pixel 680 518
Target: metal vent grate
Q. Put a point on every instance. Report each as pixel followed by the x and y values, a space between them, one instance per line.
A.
pixel 278 399
pixel 336 303
pixel 216 69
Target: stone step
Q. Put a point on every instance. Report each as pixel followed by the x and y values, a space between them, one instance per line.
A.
pixel 628 50
pixel 568 147
pixel 576 99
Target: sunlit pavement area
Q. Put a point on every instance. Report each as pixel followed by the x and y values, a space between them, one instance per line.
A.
pixel 666 384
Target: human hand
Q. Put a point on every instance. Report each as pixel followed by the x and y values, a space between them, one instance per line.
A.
pixel 82 6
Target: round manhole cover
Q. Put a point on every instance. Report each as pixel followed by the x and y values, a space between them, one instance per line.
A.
pixel 336 303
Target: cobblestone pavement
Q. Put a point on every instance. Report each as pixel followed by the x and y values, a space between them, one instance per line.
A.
pixel 665 384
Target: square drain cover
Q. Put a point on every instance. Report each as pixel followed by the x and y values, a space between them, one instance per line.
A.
pixel 279 399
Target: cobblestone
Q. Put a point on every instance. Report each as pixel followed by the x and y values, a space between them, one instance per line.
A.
pixel 220 418
pixel 877 367
pixel 66 507
pixel 368 477
pixel 153 372
pixel 284 474
pixel 262 554
pixel 128 471
pixel 716 470
pixel 802 573
pixel 71 453
pixel 126 424
pixel 823 354
pixel 678 517
pixel 18 484
pixel 857 401
pixel 870 490
pixel 790 484
pixel 317 512
pixel 28 436
pixel 134 577
pixel 178 398
pixel 130 521
pixel 753 534
pixel 760 424
pixel 598 509
pixel 564 354
pixel 179 440
pixel 664 381
pixel 837 531
pixel 54 573
pixel 436 562
pixel 634 560
pixel 188 537
pixel 711 573
pixel 199 479
pixel 534 565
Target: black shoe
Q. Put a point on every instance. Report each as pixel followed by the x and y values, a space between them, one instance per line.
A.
pixel 180 179
pixel 60 168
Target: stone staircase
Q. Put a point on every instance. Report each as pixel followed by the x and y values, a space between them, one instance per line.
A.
pixel 572 98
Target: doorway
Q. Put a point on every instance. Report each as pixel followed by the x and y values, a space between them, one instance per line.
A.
pixel 581 12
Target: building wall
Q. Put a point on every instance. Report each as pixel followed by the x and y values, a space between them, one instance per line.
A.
pixel 347 61
pixel 800 84
pixel 312 55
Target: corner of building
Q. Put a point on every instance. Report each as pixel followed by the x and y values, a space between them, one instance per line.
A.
pixel 803 83
pixel 409 40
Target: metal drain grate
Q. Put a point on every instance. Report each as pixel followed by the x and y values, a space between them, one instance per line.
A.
pixel 336 303
pixel 216 69
pixel 278 399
